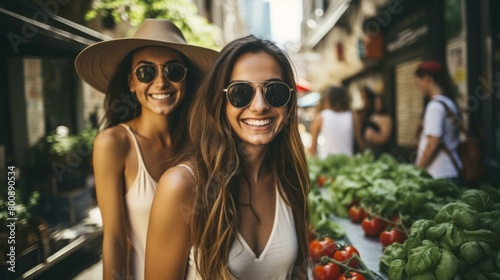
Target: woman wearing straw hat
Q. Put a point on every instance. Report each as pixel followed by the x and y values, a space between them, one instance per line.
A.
pixel 148 80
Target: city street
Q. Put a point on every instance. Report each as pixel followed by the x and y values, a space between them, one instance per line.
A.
pixel 387 111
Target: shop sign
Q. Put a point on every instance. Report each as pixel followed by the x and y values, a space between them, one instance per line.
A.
pixel 407 38
pixel 408 32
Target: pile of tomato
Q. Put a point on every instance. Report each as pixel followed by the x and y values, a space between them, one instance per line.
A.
pixel 335 261
pixel 387 230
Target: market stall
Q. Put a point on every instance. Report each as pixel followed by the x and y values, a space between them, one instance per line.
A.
pixel 402 223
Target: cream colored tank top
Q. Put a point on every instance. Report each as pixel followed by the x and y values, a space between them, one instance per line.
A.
pixel 276 260
pixel 138 202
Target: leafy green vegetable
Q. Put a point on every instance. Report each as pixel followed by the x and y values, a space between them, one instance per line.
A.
pixel 446 213
pixel 492 275
pixel 447 267
pixel 330 228
pixel 422 259
pixel 417 235
pixel 391 253
pixel 436 232
pixel 465 233
pixel 473 251
pixel 466 218
pixel 486 264
pixel 384 186
pixel 320 218
pixel 482 235
pixel 477 199
pixel 454 238
pixel 474 274
pixel 396 270
pixel 490 220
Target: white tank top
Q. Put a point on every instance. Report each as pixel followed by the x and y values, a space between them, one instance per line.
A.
pixel 336 135
pixel 138 202
pixel 276 260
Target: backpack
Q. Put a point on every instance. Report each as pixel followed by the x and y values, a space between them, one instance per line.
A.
pixel 473 167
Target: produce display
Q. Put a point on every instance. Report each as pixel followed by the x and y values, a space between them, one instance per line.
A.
pixel 462 241
pixel 377 193
pixel 334 261
pixel 430 229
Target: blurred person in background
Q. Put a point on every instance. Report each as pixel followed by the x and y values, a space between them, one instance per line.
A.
pixel 332 130
pixel 440 133
pixel 362 117
pixel 378 128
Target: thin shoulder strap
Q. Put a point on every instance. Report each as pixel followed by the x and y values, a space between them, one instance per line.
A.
pixel 456 119
pixel 136 143
pixel 188 168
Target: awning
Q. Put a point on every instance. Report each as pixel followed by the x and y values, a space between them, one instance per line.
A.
pixel 49 31
pixel 303 85
pixel 330 18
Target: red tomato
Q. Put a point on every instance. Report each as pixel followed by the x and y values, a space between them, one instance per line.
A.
pixel 396 219
pixel 345 253
pixel 373 226
pixel 351 275
pixel 328 271
pixel 319 249
pixel 357 214
pixel 320 180
pixel 389 236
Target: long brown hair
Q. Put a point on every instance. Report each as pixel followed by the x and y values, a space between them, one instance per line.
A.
pixel 121 105
pixel 219 163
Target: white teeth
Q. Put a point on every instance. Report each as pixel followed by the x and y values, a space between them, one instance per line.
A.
pixel 160 96
pixel 257 122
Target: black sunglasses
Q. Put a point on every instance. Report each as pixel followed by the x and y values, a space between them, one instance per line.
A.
pixel 241 94
pixel 174 72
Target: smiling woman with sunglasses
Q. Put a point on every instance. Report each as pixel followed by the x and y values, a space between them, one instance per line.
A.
pixel 148 80
pixel 236 205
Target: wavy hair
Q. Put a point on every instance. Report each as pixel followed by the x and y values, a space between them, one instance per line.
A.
pixel 220 165
pixel 121 105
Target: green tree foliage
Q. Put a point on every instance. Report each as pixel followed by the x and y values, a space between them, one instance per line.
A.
pixel 183 13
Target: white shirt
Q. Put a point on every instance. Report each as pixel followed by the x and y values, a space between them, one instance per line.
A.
pixel 336 135
pixel 438 125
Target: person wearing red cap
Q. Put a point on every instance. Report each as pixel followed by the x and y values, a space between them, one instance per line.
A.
pixel 440 135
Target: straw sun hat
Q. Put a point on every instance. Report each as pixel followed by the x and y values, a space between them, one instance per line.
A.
pixel 97 63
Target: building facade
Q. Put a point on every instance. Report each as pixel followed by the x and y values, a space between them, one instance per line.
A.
pixel 379 43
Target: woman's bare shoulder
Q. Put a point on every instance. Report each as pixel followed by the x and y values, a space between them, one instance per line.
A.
pixel 177 181
pixel 176 187
pixel 112 140
pixel 181 176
